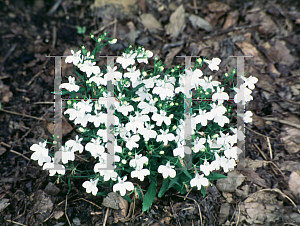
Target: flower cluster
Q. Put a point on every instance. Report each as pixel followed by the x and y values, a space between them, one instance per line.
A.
pixel 149 124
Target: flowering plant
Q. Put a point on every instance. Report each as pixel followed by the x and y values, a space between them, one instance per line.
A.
pixel 149 124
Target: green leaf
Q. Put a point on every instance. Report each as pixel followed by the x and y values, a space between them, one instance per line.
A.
pixel 126 197
pixel 215 176
pixel 173 182
pixel 102 193
pixel 81 30
pixel 149 196
pixel 203 191
pixel 163 188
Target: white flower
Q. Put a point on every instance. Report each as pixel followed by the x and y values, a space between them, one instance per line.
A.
pixel 54 168
pixel 199 181
pixel 140 173
pixel 66 154
pixel 131 141
pixel 213 64
pixel 71 86
pixel 179 150
pixel 41 156
pixel 98 79
pixel 163 90
pixel 138 161
pixel 91 186
pixel 112 74
pixel 159 118
pixel 147 132
pixel 220 95
pixel 75 144
pixel 243 94
pixel 122 186
pixel 250 81
pixel 167 170
pixel 143 57
pixel 165 136
pixel 124 108
pixel 95 148
pixel 199 144
pixel 248 116
pixel 232 152
pixel 75 59
pixel 132 74
pixel 227 164
pixel 126 60
pixel 89 68
pixel 39 147
pixel 206 168
pixel 207 83
pixel 147 107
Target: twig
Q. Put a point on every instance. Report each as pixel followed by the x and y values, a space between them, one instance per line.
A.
pixel 88 202
pixel 16 113
pixel 81 158
pixel 15 152
pixel 16 223
pixel 105 26
pixel 54 7
pixel 259 133
pixel 46 102
pixel 281 193
pixel 283 122
pixel 54 36
pixel 106 215
pixel 270 148
pixel 115 28
pixel 66 210
pixel 277 169
pixel 261 152
pixel 195 6
pixel 34 77
pixel 8 54
pixel 196 204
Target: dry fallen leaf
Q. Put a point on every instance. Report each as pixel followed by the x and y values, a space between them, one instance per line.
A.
pixel 290 166
pixel 171 55
pixel 199 22
pixel 231 19
pixel 290 135
pixel 229 184
pixel 177 22
pixel 294 183
pixel 251 175
pixel 150 22
pixel 260 208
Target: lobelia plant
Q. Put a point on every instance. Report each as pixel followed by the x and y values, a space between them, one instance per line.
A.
pixel 149 125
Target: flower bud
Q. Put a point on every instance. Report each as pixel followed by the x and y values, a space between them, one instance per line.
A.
pixel 174 127
pixel 203 149
pixel 99 39
pixel 124 161
pixel 130 153
pixel 171 116
pixel 155 99
pixel 113 41
pixel 92 36
pixel 226 74
pixel 161 152
pixel 161 68
pixel 172 104
pixel 81 129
